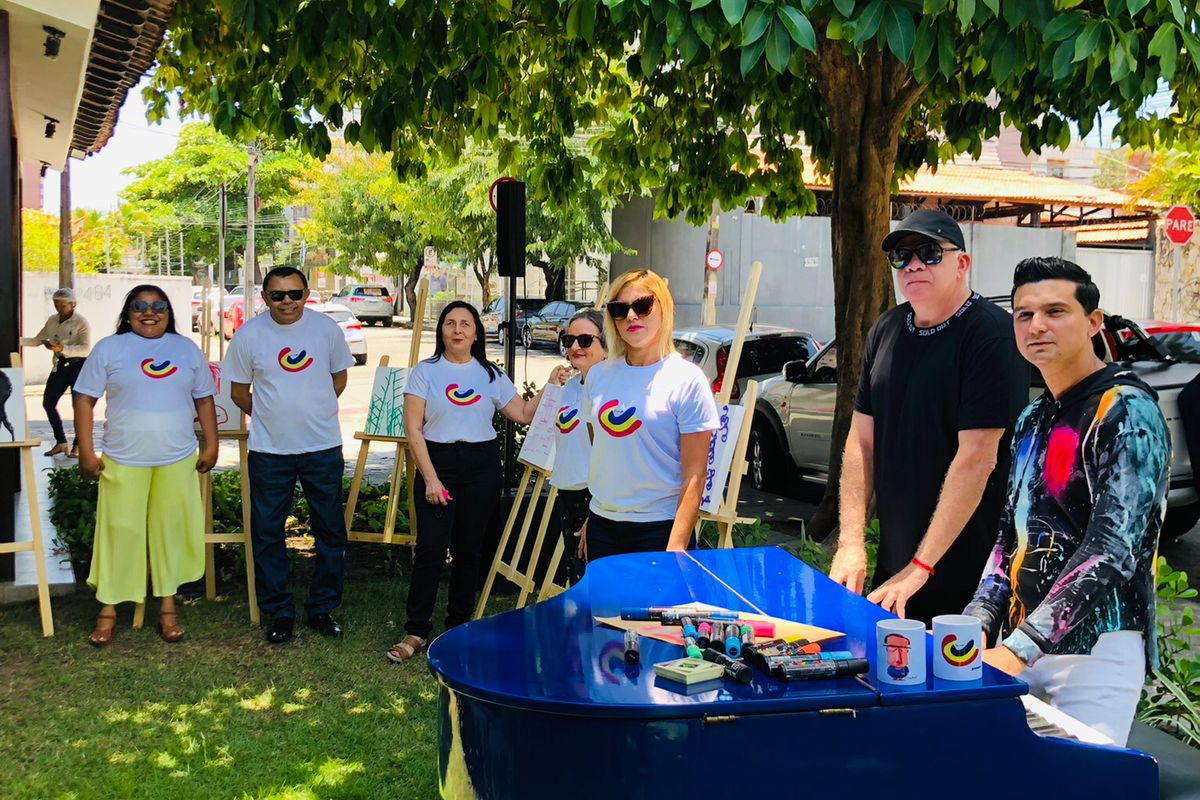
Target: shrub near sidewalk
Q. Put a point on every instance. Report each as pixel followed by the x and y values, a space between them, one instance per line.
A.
pixel 1171 701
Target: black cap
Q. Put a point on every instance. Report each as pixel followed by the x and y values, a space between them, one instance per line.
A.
pixel 935 225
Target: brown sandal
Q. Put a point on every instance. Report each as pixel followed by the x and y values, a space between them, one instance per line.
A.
pixel 405 649
pixel 102 636
pixel 170 633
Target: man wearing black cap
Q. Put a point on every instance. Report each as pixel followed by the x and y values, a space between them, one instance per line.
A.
pixel 942 385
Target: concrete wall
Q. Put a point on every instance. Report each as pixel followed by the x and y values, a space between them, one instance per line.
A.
pixel 797 283
pixel 100 298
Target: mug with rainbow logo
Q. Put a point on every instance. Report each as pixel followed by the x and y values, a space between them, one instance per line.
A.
pixel 957 648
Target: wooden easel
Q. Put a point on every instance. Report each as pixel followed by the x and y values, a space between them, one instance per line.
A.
pixel 34 545
pixel 512 569
pixel 242 537
pixel 404 465
pixel 549 587
pixel 726 516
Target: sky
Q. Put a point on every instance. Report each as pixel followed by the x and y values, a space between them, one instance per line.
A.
pixel 96 180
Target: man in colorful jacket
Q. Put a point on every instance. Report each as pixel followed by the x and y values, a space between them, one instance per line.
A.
pixel 1068 596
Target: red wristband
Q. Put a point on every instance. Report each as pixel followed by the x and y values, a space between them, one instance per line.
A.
pixel 916 562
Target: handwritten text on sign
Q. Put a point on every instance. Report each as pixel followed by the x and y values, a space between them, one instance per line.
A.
pixel 720 456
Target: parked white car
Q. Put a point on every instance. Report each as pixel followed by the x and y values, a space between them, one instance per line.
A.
pixel 351 327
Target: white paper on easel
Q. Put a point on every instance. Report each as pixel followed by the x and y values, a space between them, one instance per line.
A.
pixel 720 457
pixel 386 414
pixel 12 405
pixel 229 417
pixel 538 448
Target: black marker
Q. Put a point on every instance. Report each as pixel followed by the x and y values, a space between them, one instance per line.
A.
pixel 733 669
pixel 825 669
pixel 633 652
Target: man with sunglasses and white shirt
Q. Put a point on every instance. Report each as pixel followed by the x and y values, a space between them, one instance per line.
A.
pixel 941 388
pixel 296 364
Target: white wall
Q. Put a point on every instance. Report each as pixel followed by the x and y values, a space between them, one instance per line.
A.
pixel 797 281
pixel 1125 278
pixel 100 298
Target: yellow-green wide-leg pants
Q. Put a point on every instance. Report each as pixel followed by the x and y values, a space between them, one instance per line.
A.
pixel 158 507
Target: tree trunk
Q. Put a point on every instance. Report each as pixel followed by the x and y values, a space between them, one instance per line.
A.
pixel 483 272
pixel 66 258
pixel 410 290
pixel 556 281
pixel 867 103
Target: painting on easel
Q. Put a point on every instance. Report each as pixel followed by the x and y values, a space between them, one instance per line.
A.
pixel 386 414
pixel 12 405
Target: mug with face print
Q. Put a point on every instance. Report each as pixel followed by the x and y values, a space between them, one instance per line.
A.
pixel 900 652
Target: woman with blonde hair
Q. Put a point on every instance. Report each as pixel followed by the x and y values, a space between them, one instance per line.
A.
pixel 653 416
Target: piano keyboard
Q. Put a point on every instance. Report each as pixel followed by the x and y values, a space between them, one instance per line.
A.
pixel 1046 720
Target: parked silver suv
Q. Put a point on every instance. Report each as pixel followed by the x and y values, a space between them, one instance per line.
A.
pixel 793 418
pixel 370 303
pixel 766 349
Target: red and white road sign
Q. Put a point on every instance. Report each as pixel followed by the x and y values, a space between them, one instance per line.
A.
pixel 1180 224
pixel 495 183
pixel 715 259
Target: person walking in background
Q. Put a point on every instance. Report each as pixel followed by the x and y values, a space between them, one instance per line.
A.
pixel 942 384
pixel 583 344
pixel 67 335
pixel 155 383
pixel 449 402
pixel 296 363
pixel 652 415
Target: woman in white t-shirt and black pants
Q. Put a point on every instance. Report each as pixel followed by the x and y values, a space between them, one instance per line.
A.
pixel 653 415
pixel 449 402
pixel 583 344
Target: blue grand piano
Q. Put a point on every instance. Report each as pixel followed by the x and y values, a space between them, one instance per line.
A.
pixel 538 703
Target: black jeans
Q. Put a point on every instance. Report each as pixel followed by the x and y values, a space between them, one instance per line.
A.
pixel 471 473
pixel 572 508
pixel 610 537
pixel 63 378
pixel 272 488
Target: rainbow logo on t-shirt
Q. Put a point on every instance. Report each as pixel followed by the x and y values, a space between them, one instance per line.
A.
pixel 956 654
pixel 294 363
pixel 618 423
pixel 163 369
pixel 567 419
pixel 462 397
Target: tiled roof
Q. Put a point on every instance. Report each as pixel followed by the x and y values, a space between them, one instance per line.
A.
pixel 1137 231
pixel 990 184
pixel 127 36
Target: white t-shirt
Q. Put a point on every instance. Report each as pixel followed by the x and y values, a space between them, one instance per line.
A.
pixel 295 408
pixel 638 415
pixel 572 446
pixel 150 386
pixel 454 396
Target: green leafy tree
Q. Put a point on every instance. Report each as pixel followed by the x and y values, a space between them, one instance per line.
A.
pixel 1173 176
pixel 98 240
pixel 703 100
pixel 180 192
pixel 361 212
pixel 39 240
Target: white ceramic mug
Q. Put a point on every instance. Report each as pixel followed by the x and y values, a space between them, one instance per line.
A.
pixel 957 647
pixel 900 652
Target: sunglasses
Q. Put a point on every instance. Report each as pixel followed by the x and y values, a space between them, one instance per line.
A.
pixel 641 307
pixel 931 255
pixel 277 295
pixel 142 306
pixel 568 340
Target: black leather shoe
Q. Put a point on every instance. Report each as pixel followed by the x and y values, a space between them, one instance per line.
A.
pixel 325 625
pixel 280 631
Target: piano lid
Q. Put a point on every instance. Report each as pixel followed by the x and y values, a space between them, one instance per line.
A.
pixel 553 656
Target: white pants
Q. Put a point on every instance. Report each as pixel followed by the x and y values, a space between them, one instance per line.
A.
pixel 1101 689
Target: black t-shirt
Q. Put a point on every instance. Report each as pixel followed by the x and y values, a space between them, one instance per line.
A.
pixel 922 386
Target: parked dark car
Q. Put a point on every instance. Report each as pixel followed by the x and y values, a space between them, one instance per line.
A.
pixel 494 316
pixel 551 319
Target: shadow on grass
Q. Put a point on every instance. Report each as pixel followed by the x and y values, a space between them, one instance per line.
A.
pixel 221 714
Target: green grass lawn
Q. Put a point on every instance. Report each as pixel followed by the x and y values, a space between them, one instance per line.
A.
pixel 221 714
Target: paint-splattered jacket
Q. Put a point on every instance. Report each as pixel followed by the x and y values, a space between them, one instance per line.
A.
pixel 1079 532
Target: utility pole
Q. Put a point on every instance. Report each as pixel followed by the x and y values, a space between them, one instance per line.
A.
pixel 708 313
pixel 251 210
pixel 221 224
pixel 107 249
pixel 182 264
pixel 66 259
pixel 167 239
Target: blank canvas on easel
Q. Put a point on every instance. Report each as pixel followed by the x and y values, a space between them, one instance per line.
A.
pixel 386 414
pixel 12 405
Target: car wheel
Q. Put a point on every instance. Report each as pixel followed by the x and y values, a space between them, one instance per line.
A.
pixel 526 337
pixel 387 322
pixel 360 360
pixel 766 458
pixel 1180 520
